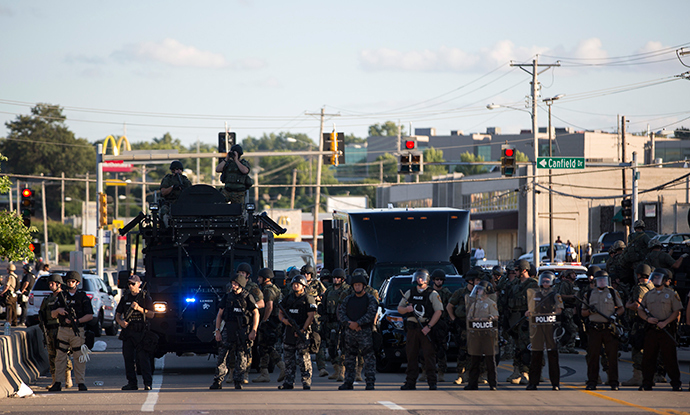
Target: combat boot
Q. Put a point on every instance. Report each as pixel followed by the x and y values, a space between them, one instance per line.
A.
pixel 341 374
pixel 345 386
pixel 323 373
pixel 281 365
pixel 263 377
pixel 524 378
pixel 369 387
pixel 514 376
pixel 482 378
pixel 57 387
pixel 334 375
pixel 358 375
pixel 216 385
pixel 635 380
pixel 229 377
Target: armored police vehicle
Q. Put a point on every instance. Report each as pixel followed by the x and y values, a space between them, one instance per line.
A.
pixel 387 242
pixel 189 262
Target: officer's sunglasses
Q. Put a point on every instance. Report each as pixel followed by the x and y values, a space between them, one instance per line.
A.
pixel 132 284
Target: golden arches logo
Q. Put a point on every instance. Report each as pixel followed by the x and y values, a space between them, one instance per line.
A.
pixel 284 221
pixel 117 147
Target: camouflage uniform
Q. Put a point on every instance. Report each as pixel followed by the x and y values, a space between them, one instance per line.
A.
pixel 439 336
pixel 50 326
pixel 330 322
pixel 269 331
pixel 296 350
pixel 460 312
pixel 369 290
pixel 236 183
pixel 172 180
pixel 517 304
pixel 566 287
pixel 635 253
pixel 359 342
pixel 316 289
pixel 660 259
pixel 234 336
pixel 255 291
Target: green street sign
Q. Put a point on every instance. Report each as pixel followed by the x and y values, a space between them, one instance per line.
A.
pixel 560 162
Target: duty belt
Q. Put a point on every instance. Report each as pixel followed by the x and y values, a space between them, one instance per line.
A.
pixel 600 326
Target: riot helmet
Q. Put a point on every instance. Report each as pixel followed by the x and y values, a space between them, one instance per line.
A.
pixel 240 279
pixel 521 265
pixel 659 276
pixel 438 274
pixel 593 269
pixel 338 273
pixel 602 280
pixel 358 278
pixel 56 278
pixel 72 275
pixel 420 274
pixel 618 246
pixel 237 149
pixel 246 268
pixel 307 270
pixel 325 275
pixel 480 290
pixel 266 273
pixel 639 224
pixel 292 272
pixel 546 279
pixel 299 279
pixel 643 270
pixel 497 271
pixel 176 164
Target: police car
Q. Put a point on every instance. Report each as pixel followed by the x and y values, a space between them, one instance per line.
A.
pixel 558 268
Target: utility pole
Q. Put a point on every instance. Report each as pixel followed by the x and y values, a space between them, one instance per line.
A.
pixel 635 173
pixel 627 228
pixel 535 132
pixel 317 195
pixel 45 222
pixel 294 185
pixel 62 192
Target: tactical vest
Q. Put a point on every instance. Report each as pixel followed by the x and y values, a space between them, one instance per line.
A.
pixel 297 308
pixel 333 299
pixel 234 180
pixel 421 302
pixel 278 297
pixel 236 309
pixel 44 313
pixel 356 307
pixel 80 302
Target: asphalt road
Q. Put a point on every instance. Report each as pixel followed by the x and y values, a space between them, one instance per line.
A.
pixel 181 387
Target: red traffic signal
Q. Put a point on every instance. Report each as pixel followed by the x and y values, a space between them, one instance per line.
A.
pixel 410 144
pixel 509 152
pixel 32 248
pixel 27 193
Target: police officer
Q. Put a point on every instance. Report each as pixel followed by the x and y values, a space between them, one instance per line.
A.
pixel 566 288
pixel 660 308
pixel 325 277
pixel 317 290
pixel 638 246
pixel 519 327
pixel 423 308
pixel 8 296
pixel 80 304
pixel 457 313
pixel 438 277
pixel 50 326
pixel 656 258
pixel 135 307
pixel 503 288
pixel 28 280
pixel 358 312
pixel 331 323
pixel 269 329
pixel 482 335
pixel 544 304
pixel 171 186
pixel 616 264
pixel 637 328
pixel 300 306
pixel 602 306
pixel 234 172
pixel 240 313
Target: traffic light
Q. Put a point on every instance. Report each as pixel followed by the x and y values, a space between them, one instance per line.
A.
pixel 626 211
pixel 221 141
pixel 27 205
pixel 410 144
pixel 334 142
pixel 416 163
pixel 35 247
pixel 507 160
pixel 102 210
pixel 405 164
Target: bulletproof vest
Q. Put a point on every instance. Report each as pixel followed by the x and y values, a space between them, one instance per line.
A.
pixel 232 177
pixel 174 180
pixel 421 302
pixel 460 310
pixel 235 309
pixel 333 298
pixel 356 307
pixel 31 278
pixel 78 303
pixel 46 307
pixel 136 316
pixel 297 308
pixel 278 295
pixel 518 296
pixel 652 259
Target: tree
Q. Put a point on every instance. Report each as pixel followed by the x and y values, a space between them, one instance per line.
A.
pixel 389 128
pixel 520 156
pixel 353 139
pixel 431 155
pixel 469 170
pixel 14 236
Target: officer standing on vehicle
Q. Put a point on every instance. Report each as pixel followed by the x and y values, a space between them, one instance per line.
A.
pixel 638 246
pixel 423 308
pixel 50 326
pixel 269 328
pixel 297 313
pixel 172 185
pixel 234 173
pixel 544 304
pixel 441 329
pixel 357 312
pixel 656 258
pixel 519 327
pixel 637 328
pixel 331 323
pixel 8 296
pixel 28 280
pixel 80 304
pixel 601 330
pixel 457 313
pixel 482 335
pixel 660 308
pixel 135 307
pixel 241 316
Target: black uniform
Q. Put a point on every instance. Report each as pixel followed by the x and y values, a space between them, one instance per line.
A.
pixel 132 336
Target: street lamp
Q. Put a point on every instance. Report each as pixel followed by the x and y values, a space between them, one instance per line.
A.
pixel 549 102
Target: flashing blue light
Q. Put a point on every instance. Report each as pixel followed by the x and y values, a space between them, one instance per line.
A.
pixel 190 300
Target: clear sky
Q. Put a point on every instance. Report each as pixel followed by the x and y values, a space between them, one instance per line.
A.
pixel 187 67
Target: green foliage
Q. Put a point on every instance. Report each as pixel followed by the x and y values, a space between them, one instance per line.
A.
pixel 432 155
pixel 14 236
pixel 58 232
pixel 352 139
pixel 283 141
pixel 469 170
pixel 520 156
pixel 390 169
pixel 389 128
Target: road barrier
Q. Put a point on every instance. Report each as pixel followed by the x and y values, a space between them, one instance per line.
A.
pixel 23 358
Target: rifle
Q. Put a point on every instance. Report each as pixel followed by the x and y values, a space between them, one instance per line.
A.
pixel 619 331
pixel 128 314
pixel 512 328
pixel 646 310
pixel 71 314
pixel 293 323
pixel 417 315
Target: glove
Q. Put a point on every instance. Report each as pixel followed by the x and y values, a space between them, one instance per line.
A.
pixel 613 317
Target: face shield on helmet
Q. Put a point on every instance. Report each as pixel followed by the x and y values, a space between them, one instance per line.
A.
pixel 479 290
pixel 601 280
pixel 546 279
pixel 420 277
pixel 657 278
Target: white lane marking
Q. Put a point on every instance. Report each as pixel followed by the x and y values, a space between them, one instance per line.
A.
pixel 391 405
pixel 152 397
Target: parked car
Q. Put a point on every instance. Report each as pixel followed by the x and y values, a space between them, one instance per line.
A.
pixel 599 259
pixel 391 324
pixel 102 302
pixel 559 248
pixel 672 238
pixel 608 238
